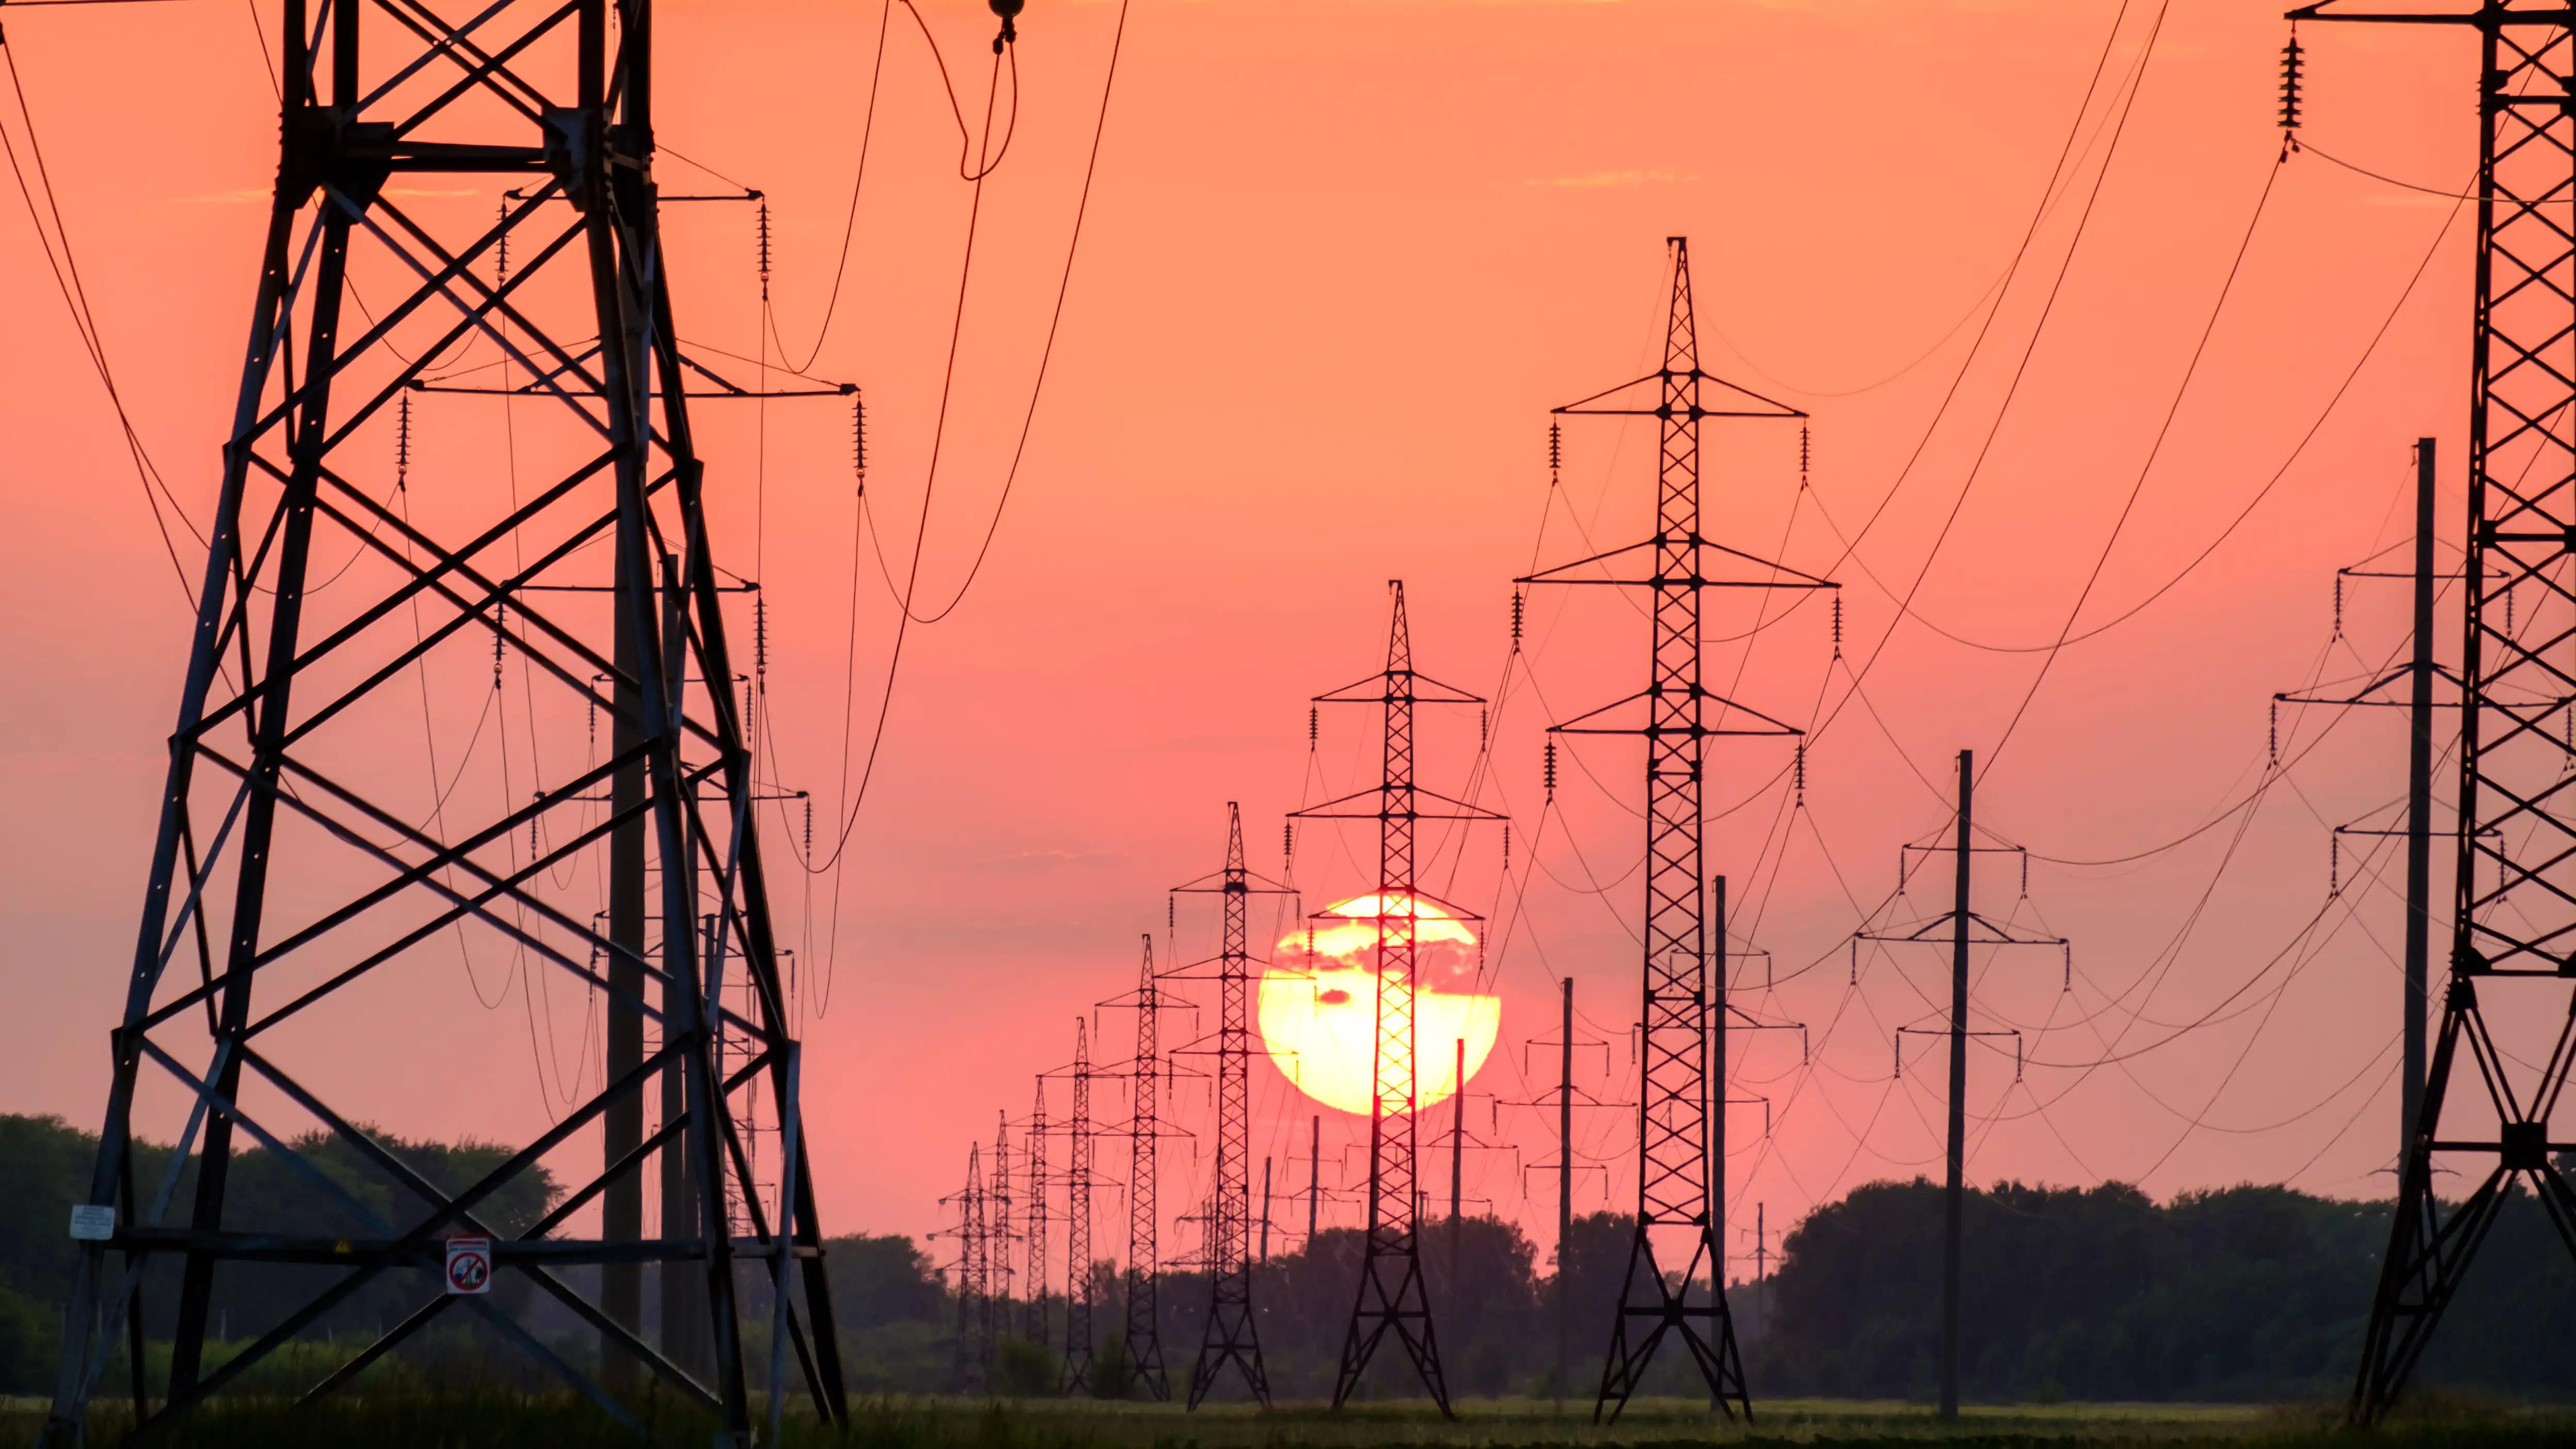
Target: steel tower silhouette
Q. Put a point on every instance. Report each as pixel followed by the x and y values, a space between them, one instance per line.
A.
pixel 1144 1133
pixel 2488 1107
pixel 1680 1126
pixel 1077 1220
pixel 1391 1293
pixel 292 865
pixel 1232 1336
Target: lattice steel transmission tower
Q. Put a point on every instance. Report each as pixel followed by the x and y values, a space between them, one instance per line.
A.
pixel 974 1348
pixel 1035 1327
pixel 305 865
pixel 1232 1336
pixel 1680 1127
pixel 1391 1293
pixel 1144 1132
pixel 1079 1147
pixel 2513 922
pixel 1000 1229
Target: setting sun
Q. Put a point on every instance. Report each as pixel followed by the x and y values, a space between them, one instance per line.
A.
pixel 1319 1004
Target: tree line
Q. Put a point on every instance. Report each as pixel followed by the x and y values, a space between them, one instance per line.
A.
pixel 2247 1294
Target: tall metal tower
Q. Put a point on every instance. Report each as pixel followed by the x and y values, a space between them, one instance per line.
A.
pixel 292 864
pixel 1000 1233
pixel 1232 1336
pixel 1144 1133
pixel 1391 1294
pixel 974 1345
pixel 1035 1327
pixel 2513 923
pixel 1681 1164
pixel 1077 1221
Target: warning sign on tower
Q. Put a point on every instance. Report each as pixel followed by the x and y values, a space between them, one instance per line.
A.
pixel 469 1264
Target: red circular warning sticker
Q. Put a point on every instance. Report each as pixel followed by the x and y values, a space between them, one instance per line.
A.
pixel 469 1264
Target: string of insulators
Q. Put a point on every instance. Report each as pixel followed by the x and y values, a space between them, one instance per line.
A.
pixel 809 825
pixel 859 440
pixel 501 253
pixel 2025 875
pixel 1314 727
pixel 2293 62
pixel 532 833
pixel 2508 612
pixel 1801 767
pixel 1838 626
pixel 760 637
pixel 1803 454
pixel 1519 602
pixel 1549 771
pixel 500 635
pixel 1555 449
pixel 1287 840
pixel 1484 723
pixel 1507 847
pixel 764 249
pixel 2334 865
pixel 2272 751
pixel 402 443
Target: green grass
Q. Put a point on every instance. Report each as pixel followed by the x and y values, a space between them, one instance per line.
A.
pixel 472 1420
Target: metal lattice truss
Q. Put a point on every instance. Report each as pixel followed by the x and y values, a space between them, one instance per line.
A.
pixel 1147 1075
pixel 1679 1123
pixel 1232 1335
pixel 973 1368
pixel 1078 1280
pixel 2489 1105
pixel 302 865
pixel 1391 1293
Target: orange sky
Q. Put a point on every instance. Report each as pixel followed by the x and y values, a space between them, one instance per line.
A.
pixel 1341 259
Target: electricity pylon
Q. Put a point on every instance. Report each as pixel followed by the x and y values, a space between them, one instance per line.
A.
pixel 2512 922
pixel 1232 1336
pixel 1144 1131
pixel 1077 1220
pixel 1391 1294
pixel 1035 1328
pixel 304 849
pixel 974 1346
pixel 1681 1158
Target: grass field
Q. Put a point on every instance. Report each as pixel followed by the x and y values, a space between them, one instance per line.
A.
pixel 465 1421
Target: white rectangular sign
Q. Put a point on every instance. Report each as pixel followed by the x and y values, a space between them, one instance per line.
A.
pixel 93 1222
pixel 469 1264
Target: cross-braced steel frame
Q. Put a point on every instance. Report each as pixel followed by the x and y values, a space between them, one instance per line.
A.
pixel 1232 1336
pixel 1680 1125
pixel 1077 1220
pixel 291 868
pixel 1034 1326
pixel 1144 1131
pixel 972 1371
pixel 1392 1297
pixel 2513 926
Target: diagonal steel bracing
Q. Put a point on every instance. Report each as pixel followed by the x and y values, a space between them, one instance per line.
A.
pixel 1680 1126
pixel 297 858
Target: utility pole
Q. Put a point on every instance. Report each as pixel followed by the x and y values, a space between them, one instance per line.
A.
pixel 1679 1185
pixel 1391 1294
pixel 1036 1328
pixel 1314 1174
pixel 1565 1198
pixel 1078 1280
pixel 281 770
pixel 1960 928
pixel 2419 806
pixel 2510 917
pixel 1954 1192
pixel 1233 1334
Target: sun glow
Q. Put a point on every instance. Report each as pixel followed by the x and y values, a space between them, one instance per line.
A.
pixel 1319 1003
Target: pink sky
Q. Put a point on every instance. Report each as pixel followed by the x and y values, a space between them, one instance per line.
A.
pixel 1341 259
